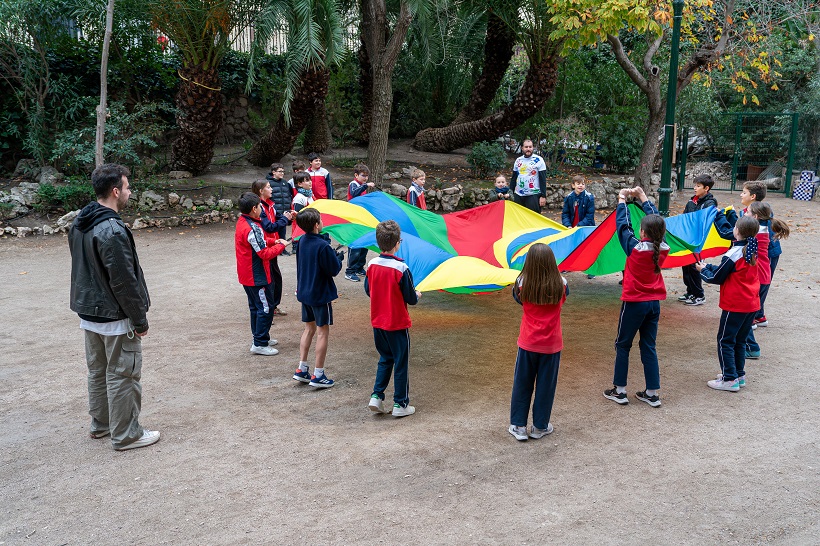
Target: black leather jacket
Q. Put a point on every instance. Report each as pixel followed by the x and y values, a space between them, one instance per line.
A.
pixel 107 282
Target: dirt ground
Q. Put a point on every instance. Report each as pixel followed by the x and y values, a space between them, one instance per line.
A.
pixel 249 456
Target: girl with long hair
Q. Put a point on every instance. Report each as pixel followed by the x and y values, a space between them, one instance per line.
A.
pixel 643 290
pixel 541 291
pixel 739 281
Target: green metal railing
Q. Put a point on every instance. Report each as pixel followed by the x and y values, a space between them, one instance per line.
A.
pixel 742 146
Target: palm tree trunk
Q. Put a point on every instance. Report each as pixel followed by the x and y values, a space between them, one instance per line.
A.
pixel 317 133
pixel 279 140
pixel 498 51
pixel 199 103
pixel 538 87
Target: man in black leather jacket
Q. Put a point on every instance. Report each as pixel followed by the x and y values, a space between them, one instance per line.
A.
pixel 108 293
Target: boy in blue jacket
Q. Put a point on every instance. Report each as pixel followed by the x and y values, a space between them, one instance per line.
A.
pixel 316 265
pixel 579 206
pixel 389 284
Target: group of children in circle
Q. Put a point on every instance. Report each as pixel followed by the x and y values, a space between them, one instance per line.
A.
pixel 744 275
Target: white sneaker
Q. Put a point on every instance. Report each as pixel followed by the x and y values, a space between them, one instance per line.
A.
pixel 399 411
pixel 149 437
pixel 376 405
pixel 536 432
pixel 271 343
pixel 721 385
pixel 520 433
pixel 264 351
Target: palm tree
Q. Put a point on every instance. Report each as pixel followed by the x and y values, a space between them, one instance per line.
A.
pixel 200 30
pixel 529 19
pixel 498 51
pixel 315 41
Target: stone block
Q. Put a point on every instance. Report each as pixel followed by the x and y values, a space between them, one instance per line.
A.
pixel 179 175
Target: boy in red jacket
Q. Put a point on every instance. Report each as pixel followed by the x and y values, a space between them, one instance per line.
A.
pixel 253 252
pixel 389 284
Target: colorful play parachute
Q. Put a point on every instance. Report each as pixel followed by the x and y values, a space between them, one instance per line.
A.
pixel 483 249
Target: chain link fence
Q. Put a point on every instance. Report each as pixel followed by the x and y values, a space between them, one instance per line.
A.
pixel 740 147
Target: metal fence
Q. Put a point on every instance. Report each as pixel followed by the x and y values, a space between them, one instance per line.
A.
pixel 740 147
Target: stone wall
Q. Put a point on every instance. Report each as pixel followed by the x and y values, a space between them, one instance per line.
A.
pixel 236 127
pixel 457 197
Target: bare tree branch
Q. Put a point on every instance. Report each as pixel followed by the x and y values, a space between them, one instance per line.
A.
pixel 624 61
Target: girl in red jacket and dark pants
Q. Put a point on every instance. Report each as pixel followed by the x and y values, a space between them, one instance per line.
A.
pixel 739 281
pixel 542 291
pixel 643 290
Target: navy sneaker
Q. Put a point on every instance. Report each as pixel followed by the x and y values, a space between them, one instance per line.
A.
pixel 615 396
pixel 302 376
pixel 352 277
pixel 653 400
pixel 321 382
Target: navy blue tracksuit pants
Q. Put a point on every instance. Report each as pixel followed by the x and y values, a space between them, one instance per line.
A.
pixel 394 359
pixel 733 330
pixel 537 370
pixel 638 316
pixel 356 259
pixel 260 303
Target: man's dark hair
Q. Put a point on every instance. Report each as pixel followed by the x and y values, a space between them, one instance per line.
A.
pixel 300 177
pixel 704 180
pixel 313 155
pixel 307 219
pixel 388 234
pixel 361 168
pixel 106 177
pixel 247 201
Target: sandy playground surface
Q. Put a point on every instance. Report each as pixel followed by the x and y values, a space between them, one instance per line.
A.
pixel 248 456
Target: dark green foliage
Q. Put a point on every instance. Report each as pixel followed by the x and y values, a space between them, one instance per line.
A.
pixel 487 158
pixel 344 100
pixel 74 195
pixel 621 136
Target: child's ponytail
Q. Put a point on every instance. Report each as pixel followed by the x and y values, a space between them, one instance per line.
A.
pixel 654 228
pixel 763 212
pixel 747 228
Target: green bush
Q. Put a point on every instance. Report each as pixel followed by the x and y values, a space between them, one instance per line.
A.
pixel 127 137
pixel 72 196
pixel 487 158
pixel 621 137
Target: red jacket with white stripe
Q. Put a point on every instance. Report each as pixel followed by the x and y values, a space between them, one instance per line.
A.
pixel 253 252
pixel 389 284
pixel 739 281
pixel 641 283
pixel 321 184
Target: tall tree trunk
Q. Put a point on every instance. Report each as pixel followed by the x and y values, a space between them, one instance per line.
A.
pixel 383 54
pixel 199 117
pixel 651 147
pixel 538 87
pixel 498 51
pixel 382 107
pixel 317 133
pixel 99 155
pixel 279 140
pixel 366 85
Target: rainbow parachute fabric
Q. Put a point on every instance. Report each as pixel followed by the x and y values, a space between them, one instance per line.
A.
pixel 484 248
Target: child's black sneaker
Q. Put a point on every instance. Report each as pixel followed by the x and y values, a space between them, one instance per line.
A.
pixel 684 297
pixel 653 400
pixel 615 396
pixel 695 301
